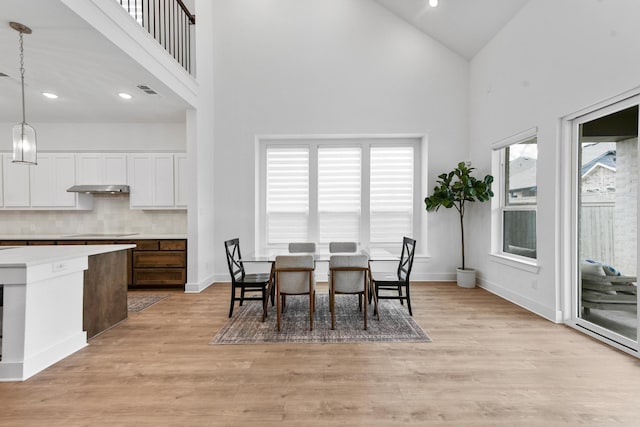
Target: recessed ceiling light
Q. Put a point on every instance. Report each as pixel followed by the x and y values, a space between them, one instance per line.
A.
pixel 124 95
pixel 433 3
pixel 50 95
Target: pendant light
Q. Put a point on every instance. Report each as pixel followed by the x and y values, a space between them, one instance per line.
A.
pixel 24 136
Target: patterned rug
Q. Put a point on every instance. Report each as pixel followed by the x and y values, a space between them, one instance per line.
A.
pixel 246 326
pixel 140 302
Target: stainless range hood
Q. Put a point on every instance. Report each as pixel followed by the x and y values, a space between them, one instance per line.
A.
pixel 99 189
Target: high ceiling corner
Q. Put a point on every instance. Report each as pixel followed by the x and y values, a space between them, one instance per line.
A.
pixel 464 26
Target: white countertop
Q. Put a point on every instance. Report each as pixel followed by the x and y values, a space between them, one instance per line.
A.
pixel 26 256
pixel 92 236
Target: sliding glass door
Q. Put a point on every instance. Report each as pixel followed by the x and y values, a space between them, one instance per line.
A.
pixel 606 194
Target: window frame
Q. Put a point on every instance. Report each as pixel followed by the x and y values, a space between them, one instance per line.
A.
pixel 501 205
pixel 417 141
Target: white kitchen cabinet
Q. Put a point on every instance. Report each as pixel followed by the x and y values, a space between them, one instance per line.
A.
pixel 151 178
pixel 15 183
pixel 101 168
pixel 181 180
pixel 49 181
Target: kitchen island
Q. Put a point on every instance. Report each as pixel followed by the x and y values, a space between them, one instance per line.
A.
pixel 50 302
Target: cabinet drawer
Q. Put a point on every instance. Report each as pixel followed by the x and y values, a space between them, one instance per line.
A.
pixel 147 245
pixel 13 243
pixel 173 245
pixel 71 242
pixel 159 276
pixel 159 259
pixel 41 242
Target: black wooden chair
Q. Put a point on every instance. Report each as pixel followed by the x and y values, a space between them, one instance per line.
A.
pixel 398 280
pixel 262 282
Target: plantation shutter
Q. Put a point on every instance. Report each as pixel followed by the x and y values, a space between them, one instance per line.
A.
pixel 391 187
pixel 287 198
pixel 339 193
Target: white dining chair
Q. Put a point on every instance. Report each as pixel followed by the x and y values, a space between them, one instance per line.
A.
pixel 342 247
pixel 349 274
pixel 297 247
pixel 294 276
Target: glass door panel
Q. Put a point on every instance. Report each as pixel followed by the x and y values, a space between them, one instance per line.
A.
pixel 607 194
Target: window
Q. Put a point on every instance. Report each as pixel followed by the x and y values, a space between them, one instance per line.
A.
pixel 391 192
pixel 339 189
pixel 287 210
pixel 518 199
pixel 360 190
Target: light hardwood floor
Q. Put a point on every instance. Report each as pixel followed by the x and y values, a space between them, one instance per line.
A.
pixel 490 363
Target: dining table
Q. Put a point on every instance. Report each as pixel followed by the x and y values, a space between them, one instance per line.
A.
pixel 320 255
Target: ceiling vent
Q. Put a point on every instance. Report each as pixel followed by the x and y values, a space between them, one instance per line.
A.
pixel 146 89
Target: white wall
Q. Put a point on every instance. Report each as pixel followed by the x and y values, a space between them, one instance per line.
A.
pixel 329 67
pixel 554 58
pixel 98 137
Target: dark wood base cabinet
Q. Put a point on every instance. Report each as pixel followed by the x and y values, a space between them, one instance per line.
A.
pixel 153 263
pixel 159 263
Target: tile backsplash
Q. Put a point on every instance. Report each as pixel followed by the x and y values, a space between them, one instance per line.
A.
pixel 110 214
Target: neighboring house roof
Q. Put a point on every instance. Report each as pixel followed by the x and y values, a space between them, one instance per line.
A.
pixel 607 160
pixel 522 173
pixel 523 170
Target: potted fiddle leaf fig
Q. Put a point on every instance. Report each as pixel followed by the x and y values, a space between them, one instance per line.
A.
pixel 454 190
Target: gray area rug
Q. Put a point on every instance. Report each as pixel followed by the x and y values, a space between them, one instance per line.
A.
pixel 246 326
pixel 141 302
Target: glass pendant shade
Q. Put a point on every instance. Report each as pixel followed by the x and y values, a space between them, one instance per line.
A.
pixel 24 144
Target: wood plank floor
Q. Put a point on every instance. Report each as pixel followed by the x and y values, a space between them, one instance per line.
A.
pixel 490 363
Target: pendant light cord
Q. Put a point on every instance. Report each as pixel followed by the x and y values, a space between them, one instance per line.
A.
pixel 22 77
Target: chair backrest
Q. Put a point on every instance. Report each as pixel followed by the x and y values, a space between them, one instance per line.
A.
pixel 344 279
pixel 294 273
pixel 406 259
pixel 236 268
pixel 342 247
pixel 308 247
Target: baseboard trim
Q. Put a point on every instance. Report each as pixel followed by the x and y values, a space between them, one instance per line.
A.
pixel 554 316
pixel 196 288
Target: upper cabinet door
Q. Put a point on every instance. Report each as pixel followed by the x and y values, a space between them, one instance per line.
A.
pixel 163 195
pixel 50 179
pixel 15 183
pixel 115 169
pixel 99 168
pixel 152 178
pixel 180 173
pixel 140 173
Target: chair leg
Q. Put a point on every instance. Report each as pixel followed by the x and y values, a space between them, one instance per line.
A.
pixel 273 295
pixel 332 307
pixel 233 299
pixel 409 300
pixel 400 295
pixel 375 306
pixel 278 309
pixel 312 297
pixel 265 302
pixel 365 307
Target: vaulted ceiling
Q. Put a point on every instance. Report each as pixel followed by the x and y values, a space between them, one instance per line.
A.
pixel 464 26
pixel 67 56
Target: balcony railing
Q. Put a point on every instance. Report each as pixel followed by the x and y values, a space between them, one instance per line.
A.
pixel 169 22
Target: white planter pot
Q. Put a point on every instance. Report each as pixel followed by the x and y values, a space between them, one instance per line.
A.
pixel 466 278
